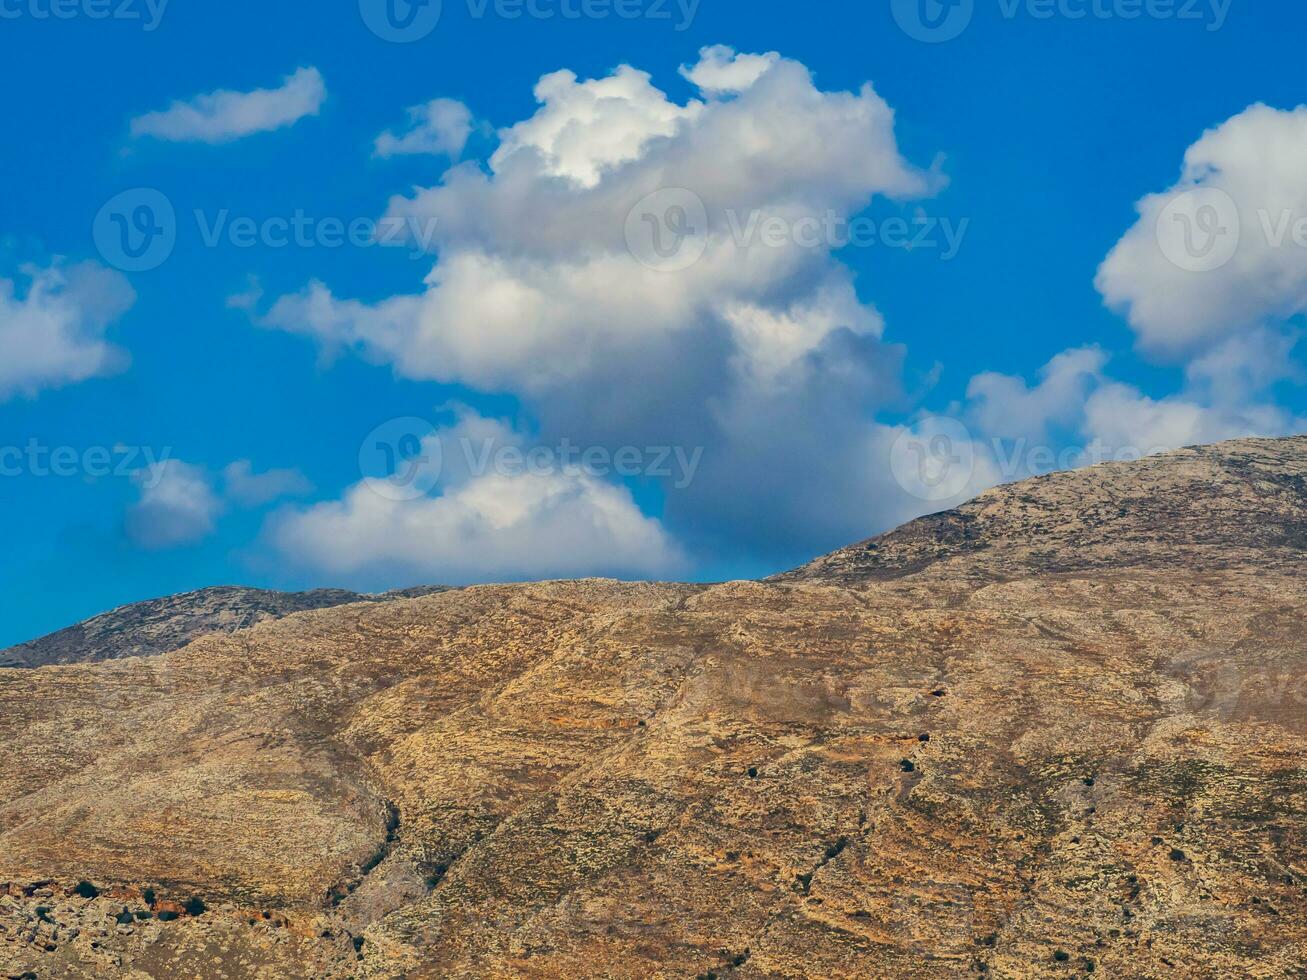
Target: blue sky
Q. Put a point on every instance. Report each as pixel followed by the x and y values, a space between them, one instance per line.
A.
pixel 807 378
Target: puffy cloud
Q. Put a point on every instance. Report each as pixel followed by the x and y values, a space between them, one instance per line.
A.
pixel 222 116
pixel 545 288
pixel 585 128
pixel 487 523
pixel 1122 417
pixel 1212 275
pixel 1225 396
pixel 179 503
pixel 720 71
pixel 1007 406
pixel 177 506
pixel 1244 365
pixel 1225 249
pixel 440 128
pixel 53 332
pixel 251 489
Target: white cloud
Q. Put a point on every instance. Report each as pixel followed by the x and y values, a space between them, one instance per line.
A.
pixel 537 292
pixel 440 128
pixel 53 333
pixel 1245 365
pixel 222 116
pixel 177 506
pixel 720 71
pixel 1007 406
pixel 251 489
pixel 1215 254
pixel 485 525
pixel 1225 396
pixel 585 128
pixel 1121 417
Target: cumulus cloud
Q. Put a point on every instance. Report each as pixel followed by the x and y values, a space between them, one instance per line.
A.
pixel 178 506
pixel 1225 249
pixel 250 489
pixel 1121 416
pixel 720 71
pixel 1006 405
pixel 52 332
pixel 1212 276
pixel 485 523
pixel 439 128
pixel 544 287
pixel 585 128
pixel 1226 395
pixel 179 503
pixel 223 116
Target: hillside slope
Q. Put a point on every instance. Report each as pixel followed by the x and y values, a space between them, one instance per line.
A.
pixel 157 626
pixel 1058 731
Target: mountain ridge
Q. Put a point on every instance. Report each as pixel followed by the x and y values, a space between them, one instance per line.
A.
pixel 155 626
pixel 1068 751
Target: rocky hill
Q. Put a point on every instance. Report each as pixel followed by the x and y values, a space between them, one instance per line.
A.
pixel 157 626
pixel 1058 732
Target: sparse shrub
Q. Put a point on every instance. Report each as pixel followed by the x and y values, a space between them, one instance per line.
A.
pixel 836 849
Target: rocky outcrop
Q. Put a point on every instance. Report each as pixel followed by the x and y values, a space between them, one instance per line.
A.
pixel 1023 745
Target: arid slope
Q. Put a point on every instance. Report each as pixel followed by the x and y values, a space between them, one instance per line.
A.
pixel 155 626
pixel 1058 731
